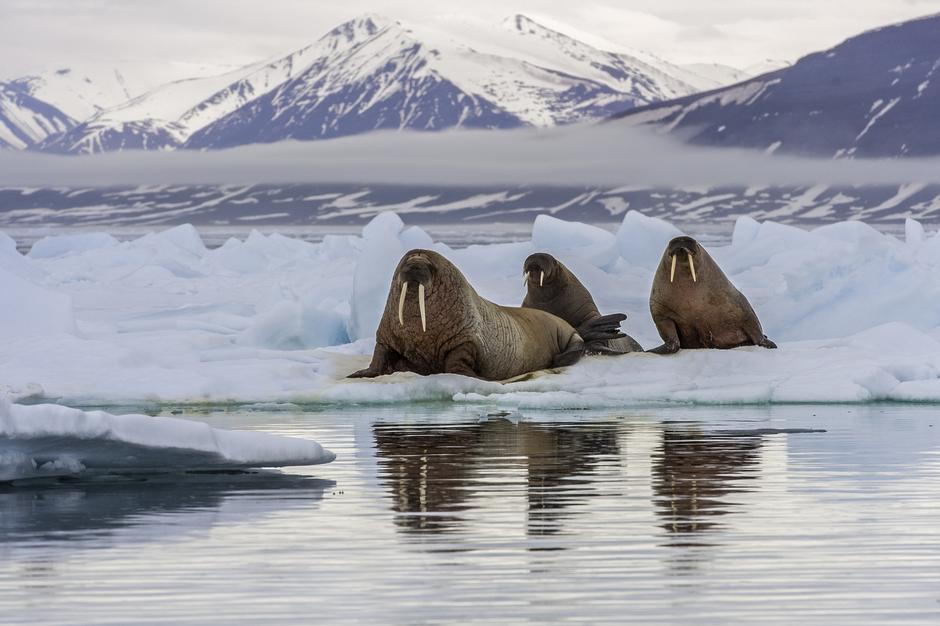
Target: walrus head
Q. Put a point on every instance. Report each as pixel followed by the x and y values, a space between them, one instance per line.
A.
pixel 540 270
pixel 417 269
pixel 682 251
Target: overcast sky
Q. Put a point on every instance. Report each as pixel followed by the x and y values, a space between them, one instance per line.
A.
pixel 47 33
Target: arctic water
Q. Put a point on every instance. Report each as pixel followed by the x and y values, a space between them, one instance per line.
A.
pixel 470 514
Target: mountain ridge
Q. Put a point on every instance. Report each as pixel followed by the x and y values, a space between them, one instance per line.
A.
pixel 873 95
pixel 519 74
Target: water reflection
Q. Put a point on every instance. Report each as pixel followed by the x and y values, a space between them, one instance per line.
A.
pixel 436 474
pixel 136 508
pixel 433 474
pixel 428 472
pixel 694 472
pixel 691 515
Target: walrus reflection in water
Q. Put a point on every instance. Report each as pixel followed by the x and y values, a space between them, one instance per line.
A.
pixel 434 323
pixel 433 474
pixel 552 287
pixel 693 472
pixel 694 305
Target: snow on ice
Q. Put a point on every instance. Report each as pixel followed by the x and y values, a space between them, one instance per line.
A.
pixel 51 440
pixel 88 319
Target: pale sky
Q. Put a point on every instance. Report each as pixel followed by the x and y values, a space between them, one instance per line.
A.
pixel 38 34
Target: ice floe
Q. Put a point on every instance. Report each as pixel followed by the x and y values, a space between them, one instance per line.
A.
pixel 52 440
pixel 92 320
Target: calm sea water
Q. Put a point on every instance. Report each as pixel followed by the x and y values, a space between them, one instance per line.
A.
pixel 443 513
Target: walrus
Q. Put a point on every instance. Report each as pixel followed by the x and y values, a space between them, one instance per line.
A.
pixel 435 322
pixel 694 305
pixel 552 287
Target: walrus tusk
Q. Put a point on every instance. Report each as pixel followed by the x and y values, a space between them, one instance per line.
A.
pixel 525 278
pixel 424 319
pixel 401 304
pixel 542 279
pixel 672 272
pixel 692 267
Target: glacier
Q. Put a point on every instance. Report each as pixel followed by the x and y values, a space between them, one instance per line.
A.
pixel 93 321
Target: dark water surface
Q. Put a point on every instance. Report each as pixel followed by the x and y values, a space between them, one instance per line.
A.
pixel 441 513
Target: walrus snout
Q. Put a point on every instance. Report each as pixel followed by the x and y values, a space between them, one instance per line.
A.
pixel 683 244
pixel 539 265
pixel 416 272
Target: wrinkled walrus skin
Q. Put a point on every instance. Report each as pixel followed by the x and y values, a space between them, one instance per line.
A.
pixel 553 288
pixel 463 333
pixel 694 305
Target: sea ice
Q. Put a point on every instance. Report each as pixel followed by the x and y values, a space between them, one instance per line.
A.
pixel 274 319
pixel 53 440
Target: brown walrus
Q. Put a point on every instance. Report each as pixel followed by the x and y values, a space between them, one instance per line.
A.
pixel 552 287
pixel 435 323
pixel 694 305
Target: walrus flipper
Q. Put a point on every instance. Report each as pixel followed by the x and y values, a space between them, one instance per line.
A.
pixel 460 361
pixel 756 335
pixel 597 332
pixel 669 333
pixel 572 353
pixel 383 362
pixel 625 345
pixel 767 343
pixel 605 327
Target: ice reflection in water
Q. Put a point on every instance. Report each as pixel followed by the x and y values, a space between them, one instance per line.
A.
pixel 432 514
pixel 157 506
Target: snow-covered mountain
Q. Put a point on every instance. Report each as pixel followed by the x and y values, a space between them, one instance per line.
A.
pixel 85 89
pixel 403 76
pixel 25 120
pixel 708 76
pixel 167 115
pixel 373 73
pixel 874 95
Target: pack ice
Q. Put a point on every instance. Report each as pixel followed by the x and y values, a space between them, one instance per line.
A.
pixel 90 319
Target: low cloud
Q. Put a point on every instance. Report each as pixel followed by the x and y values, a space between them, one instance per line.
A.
pixel 607 155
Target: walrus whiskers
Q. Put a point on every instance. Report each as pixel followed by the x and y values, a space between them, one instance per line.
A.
pixel 691 267
pixel 401 304
pixel 424 320
pixel 672 272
